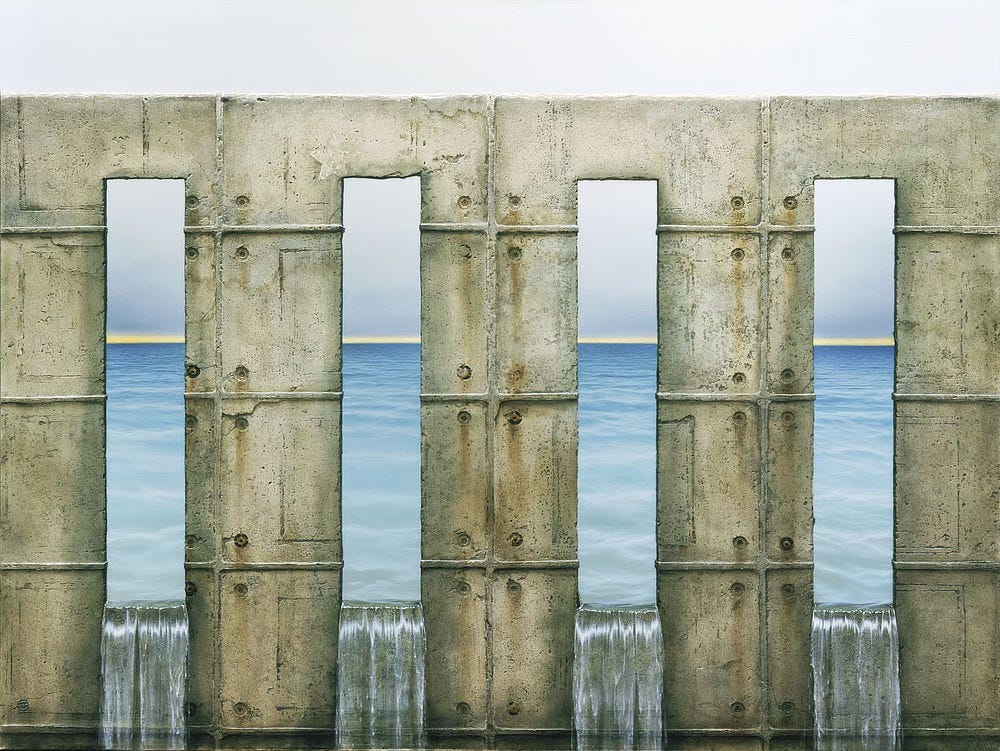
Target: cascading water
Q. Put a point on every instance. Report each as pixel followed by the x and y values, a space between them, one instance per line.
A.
pixel 380 676
pixel 855 662
pixel 144 650
pixel 618 678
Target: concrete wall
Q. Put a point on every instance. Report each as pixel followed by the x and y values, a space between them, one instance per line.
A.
pixel 499 413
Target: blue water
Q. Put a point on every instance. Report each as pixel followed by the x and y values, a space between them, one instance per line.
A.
pixel 381 472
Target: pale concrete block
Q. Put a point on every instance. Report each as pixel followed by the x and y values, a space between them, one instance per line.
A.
pixel 280 470
pixel 278 648
pixel 790 320
pixel 284 158
pixel 281 312
pixel 704 153
pixel 789 634
pixel 707 481
pixel 535 484
pixel 202 686
pixel 533 621
pixel 712 743
pixel 789 521
pixel 453 482
pixel 453 305
pixel 947 481
pixel 52 314
pixel 56 152
pixel 52 488
pixel 947 320
pixel 201 478
pixel 537 313
pixel 456 623
pixel 199 312
pixel 709 313
pixel 944 154
pixel 710 636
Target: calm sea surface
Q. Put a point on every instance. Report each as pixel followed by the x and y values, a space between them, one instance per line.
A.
pixel 381 475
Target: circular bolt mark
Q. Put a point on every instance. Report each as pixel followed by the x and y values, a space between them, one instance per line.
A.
pixel 787 707
pixel 788 418
pixel 241 540
pixel 791 203
pixel 787 375
pixel 513 417
pixel 243 252
pixel 739 417
pixel 464 372
pixel 787 543
pixel 189 540
pixel 788 254
pixel 190 422
pixel 463 539
pixel 514 253
pixel 513 587
pixel 738 203
pixel 191 252
pixel 242 201
pixel 464 202
pixel 739 377
pixel 788 590
pixel 190 709
pixel 738 254
pixel 241 708
pixel 463 588
pixel 240 588
pixel 516 539
pixel 192 370
pixel 190 588
pixel 463 708
pixel 241 423
pixel 737 708
pixel 241 373
pixel 739 542
pixel 191 201
pixel 514 201
pixel 513 707
pixel 22 705
pixel 464 417
pixel 465 251
pixel 738 588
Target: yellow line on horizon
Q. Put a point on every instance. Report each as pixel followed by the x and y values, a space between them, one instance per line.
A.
pixel 145 339
pixel 884 341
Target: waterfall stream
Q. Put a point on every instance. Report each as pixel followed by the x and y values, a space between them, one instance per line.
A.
pixel 144 649
pixel 380 676
pixel 618 678
pixel 855 662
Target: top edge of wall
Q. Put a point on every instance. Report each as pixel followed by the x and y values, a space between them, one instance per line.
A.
pixel 497 95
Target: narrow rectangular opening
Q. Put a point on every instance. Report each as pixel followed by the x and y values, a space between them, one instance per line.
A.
pixel 617 381
pixel 381 420
pixel 145 388
pixel 854 359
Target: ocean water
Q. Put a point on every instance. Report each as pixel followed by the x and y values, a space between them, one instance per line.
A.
pixel 381 475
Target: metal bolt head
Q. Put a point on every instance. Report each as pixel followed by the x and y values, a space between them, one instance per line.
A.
pixel 241 373
pixel 241 540
pixel 788 254
pixel 513 587
pixel 23 705
pixel 464 372
pixel 191 201
pixel 737 708
pixel 513 707
pixel 242 201
pixel 787 375
pixel 243 252
pixel 190 588
pixel 514 201
pixel 786 543
pixel 463 588
pixel 241 423
pixel 788 417
pixel 464 418
pixel 190 423
pixel 240 588
pixel 739 417
pixel 241 708
pixel 788 590
pixel 739 378
pixel 737 203
pixel 191 252
pixel 738 254
pixel 191 370
pixel 739 542
pixel 514 253
pixel 463 708
pixel 464 203
pixel 516 539
pixel 738 588
pixel 513 417
pixel 787 707
pixel 463 539
pixel 791 203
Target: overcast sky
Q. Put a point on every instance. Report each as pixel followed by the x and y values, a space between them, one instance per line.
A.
pixel 545 46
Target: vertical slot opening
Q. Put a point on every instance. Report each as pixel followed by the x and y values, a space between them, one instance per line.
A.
pixel 854 371
pixel 617 377
pixel 145 388
pixel 381 418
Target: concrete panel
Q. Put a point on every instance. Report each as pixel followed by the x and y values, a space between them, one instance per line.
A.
pixel 704 153
pixel 947 481
pixel 709 313
pixel 789 667
pixel 536 472
pixel 716 743
pixel 201 479
pixel 710 639
pixel 948 621
pixel 790 323
pixel 789 509
pixel 456 665
pixel 202 687
pixel 537 313
pixel 453 481
pixel 56 151
pixel 947 325
pixel 278 648
pixel 199 312
pixel 52 314
pixel 534 613
pixel 944 154
pixel 284 158
pixel 281 312
pixel 52 483
pixel 707 481
pixel 280 495
pixel 50 634
pixel 453 304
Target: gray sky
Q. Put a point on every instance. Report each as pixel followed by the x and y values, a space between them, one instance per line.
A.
pixel 547 46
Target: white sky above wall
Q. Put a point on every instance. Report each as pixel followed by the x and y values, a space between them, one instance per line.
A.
pixel 517 46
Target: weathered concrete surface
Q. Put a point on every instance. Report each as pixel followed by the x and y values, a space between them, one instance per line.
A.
pixel 263 269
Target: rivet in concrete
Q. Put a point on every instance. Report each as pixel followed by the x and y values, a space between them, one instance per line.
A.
pixel 513 417
pixel 22 705
pixel 241 540
pixel 739 542
pixel 463 588
pixel 516 539
pixel 190 423
pixel 189 540
pixel 514 201
pixel 242 252
pixel 791 203
pixel 241 708
pixel 464 417
pixel 463 708
pixel 737 708
pixel 241 373
pixel 738 588
pixel 739 417
pixel 788 417
pixel 788 254
pixel 787 543
pixel 240 588
pixel 787 707
pixel 464 203
pixel 787 375
pixel 738 254
pixel 788 590
pixel 463 539
pixel 191 370
pixel 738 203
pixel 191 201
pixel 513 707
pixel 739 378
pixel 191 252
pixel 513 587
pixel 514 253
pixel 190 588
pixel 242 201
pixel 464 372
pixel 241 423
